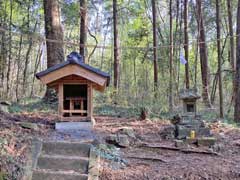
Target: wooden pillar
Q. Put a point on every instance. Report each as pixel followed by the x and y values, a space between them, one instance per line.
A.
pixel 60 99
pixel 90 101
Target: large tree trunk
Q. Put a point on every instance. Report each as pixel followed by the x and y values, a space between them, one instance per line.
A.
pixel 83 27
pixel 237 74
pixel 186 43
pixel 116 55
pixel 170 59
pixel 53 31
pixel 203 55
pixel 219 59
pixel 155 46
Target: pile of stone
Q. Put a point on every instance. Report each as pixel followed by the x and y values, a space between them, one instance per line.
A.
pixel 122 138
pixel 189 123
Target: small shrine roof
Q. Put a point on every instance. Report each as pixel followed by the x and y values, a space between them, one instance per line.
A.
pixel 189 94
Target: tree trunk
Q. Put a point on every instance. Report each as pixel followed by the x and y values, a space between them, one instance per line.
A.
pixel 116 55
pixel 237 74
pixel 27 60
pixel 232 50
pixel 83 27
pixel 203 55
pixel 186 43
pixel 219 59
pixel 170 59
pixel 18 67
pixel 37 62
pixel 53 31
pixel 155 57
pixel 3 50
pixel 9 51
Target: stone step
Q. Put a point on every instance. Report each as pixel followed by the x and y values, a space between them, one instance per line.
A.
pixel 86 126
pixel 57 175
pixel 66 148
pixel 65 163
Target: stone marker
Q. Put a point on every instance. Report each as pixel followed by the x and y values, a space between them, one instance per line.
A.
pixel 127 131
pixel 4 106
pixel 189 120
pixel 118 140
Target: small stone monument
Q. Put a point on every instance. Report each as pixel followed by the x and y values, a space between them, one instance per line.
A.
pixel 189 120
pixel 189 98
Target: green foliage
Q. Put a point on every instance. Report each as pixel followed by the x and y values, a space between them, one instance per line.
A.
pixel 3 176
pixel 116 111
pixel 70 12
pixel 32 105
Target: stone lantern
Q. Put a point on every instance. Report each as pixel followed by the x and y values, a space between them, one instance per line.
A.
pixel 189 119
pixel 189 98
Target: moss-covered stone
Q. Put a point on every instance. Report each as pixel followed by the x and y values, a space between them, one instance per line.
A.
pixel 28 125
pixel 206 141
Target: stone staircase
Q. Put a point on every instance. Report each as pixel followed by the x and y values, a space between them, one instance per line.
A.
pixel 63 161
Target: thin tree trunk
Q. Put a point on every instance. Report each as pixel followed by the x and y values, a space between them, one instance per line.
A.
pixel 83 27
pixel 18 67
pixel 232 50
pixel 219 59
pixel 155 57
pixel 196 65
pixel 203 56
pixel 95 47
pixel 27 60
pixel 104 43
pixel 116 52
pixel 179 47
pixel 186 43
pixel 3 54
pixel 170 59
pixel 237 74
pixel 9 50
pixel 216 77
pixel 37 62
pixel 230 25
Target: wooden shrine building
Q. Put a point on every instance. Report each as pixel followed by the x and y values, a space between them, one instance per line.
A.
pixel 74 82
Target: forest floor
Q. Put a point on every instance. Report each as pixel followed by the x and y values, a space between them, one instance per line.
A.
pixel 162 163
pixel 135 162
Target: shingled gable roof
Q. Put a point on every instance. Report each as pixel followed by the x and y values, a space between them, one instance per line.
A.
pixel 75 59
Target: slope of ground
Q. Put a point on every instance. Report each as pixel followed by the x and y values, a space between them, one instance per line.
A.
pixel 135 162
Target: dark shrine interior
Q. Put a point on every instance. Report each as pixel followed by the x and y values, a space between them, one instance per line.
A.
pixel 78 94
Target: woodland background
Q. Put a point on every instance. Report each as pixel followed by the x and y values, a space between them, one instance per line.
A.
pixel 138 42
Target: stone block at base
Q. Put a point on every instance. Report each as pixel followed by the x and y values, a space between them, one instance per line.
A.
pixel 179 143
pixel 191 141
pixel 206 141
pixel 182 131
